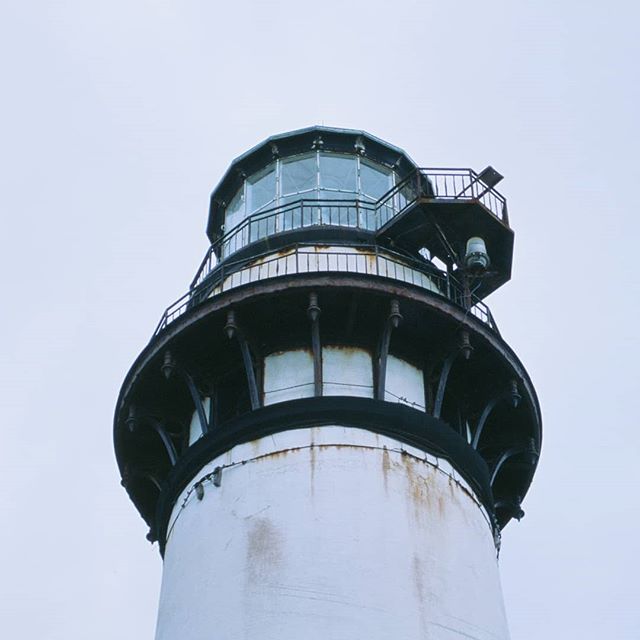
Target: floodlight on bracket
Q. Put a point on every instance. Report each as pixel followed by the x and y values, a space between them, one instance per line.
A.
pixel 489 177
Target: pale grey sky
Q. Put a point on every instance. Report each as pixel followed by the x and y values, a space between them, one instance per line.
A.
pixel 119 117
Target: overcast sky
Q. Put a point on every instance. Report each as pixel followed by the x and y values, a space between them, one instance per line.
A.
pixel 119 117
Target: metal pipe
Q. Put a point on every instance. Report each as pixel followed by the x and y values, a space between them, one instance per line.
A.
pixel 313 311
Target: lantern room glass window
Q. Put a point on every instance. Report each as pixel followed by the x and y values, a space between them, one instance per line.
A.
pixel 307 177
pixel 235 211
pixel 261 189
pixel 298 178
pixel 375 180
pixel 338 175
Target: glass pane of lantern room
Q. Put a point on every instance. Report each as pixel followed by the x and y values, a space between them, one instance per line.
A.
pixel 298 175
pixel 234 213
pixel 375 181
pixel 298 182
pixel 338 172
pixel 261 189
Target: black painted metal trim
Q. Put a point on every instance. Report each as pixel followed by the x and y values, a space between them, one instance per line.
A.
pixel 313 311
pixel 405 424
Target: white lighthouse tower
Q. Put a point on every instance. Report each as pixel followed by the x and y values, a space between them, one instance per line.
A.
pixel 327 433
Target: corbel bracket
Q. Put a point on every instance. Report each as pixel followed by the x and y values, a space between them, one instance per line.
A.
pixel 392 322
pixel 232 330
pixel 168 368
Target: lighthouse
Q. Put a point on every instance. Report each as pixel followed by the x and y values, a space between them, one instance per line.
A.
pixel 327 434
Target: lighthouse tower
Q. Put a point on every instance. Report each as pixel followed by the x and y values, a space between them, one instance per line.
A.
pixel 327 433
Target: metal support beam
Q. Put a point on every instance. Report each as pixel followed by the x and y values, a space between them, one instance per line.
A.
pixel 169 366
pixel 512 395
pixel 232 330
pixel 132 422
pixel 166 440
pixel 313 311
pixel 483 418
pixel 466 350
pixel 197 400
pixel 150 476
pixel 449 250
pixel 442 384
pixel 213 406
pixel 391 323
pixel 251 374
pixel 528 448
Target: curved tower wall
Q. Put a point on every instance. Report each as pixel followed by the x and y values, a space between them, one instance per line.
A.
pixel 330 532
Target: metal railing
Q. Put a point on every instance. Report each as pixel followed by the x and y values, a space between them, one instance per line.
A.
pixel 300 259
pixel 462 185
pixel 450 185
pixel 302 214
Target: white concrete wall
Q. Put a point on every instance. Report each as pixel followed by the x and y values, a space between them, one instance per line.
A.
pixel 288 375
pixel 347 371
pixel 404 383
pixel 330 533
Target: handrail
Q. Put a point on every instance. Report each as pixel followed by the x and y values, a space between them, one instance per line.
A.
pixel 428 183
pixel 301 214
pixel 306 258
pixel 444 184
